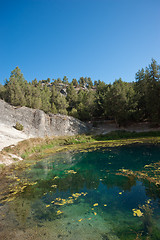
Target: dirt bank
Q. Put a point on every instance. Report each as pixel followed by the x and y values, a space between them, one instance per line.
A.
pixel 105 127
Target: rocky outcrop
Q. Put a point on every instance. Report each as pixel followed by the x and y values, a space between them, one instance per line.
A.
pixel 39 124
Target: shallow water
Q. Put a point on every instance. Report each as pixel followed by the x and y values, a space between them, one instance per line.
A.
pixel 77 195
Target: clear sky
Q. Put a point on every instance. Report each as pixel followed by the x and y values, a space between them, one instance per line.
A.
pixel 101 39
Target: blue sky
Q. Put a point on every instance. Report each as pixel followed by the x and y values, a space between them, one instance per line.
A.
pixel 101 39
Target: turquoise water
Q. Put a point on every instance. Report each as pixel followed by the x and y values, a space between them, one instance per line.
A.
pixel 78 195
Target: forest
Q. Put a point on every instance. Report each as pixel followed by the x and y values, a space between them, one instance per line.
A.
pixel 123 102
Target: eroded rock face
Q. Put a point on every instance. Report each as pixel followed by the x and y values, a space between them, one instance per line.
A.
pixel 39 124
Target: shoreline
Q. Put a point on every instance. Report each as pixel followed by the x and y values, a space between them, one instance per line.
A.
pixel 10 137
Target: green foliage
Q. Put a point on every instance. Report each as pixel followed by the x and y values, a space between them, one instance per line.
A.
pixel 15 88
pixel 61 104
pixel 45 98
pixel 74 113
pixel 85 105
pixel 85 82
pixel 2 91
pixel 101 99
pixel 71 97
pixel 121 102
pixel 2 166
pixel 18 126
pixel 65 80
pixel 122 134
pixel 74 82
pixel 147 90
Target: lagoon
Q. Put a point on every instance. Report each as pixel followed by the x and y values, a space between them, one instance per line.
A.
pixel 86 194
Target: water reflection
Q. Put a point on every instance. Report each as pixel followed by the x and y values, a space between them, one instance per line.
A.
pixel 81 186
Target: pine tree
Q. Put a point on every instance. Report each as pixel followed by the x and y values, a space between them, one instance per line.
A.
pixel 61 104
pixel 74 82
pixel 153 91
pixel 53 98
pixel 2 92
pixel 65 80
pixel 15 93
pixel 36 98
pixel 71 97
pixel 45 98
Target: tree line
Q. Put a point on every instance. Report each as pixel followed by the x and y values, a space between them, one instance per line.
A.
pixel 120 101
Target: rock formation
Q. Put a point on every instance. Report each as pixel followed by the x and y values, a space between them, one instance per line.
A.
pixel 36 123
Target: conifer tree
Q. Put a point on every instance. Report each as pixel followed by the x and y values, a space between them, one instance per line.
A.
pixel 15 88
pixel 71 97
pixel 45 98
pixel 36 97
pixel 74 82
pixel 53 98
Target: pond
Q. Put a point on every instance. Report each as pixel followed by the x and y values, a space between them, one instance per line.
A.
pixel 83 195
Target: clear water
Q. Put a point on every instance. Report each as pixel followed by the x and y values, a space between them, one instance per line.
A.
pixel 77 195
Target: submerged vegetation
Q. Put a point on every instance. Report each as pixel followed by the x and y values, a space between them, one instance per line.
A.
pixel 87 183
pixel 37 148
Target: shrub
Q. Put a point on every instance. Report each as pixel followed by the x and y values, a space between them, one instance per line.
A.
pixel 18 126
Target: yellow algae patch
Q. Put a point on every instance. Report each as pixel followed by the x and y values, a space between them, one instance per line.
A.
pixel 9 199
pixel 56 203
pixel 70 171
pixel 47 205
pixel 59 212
pixel 23 187
pixel 105 205
pixel 54 186
pixel 76 195
pixel 18 179
pixel 96 204
pixel 63 202
pixel 95 213
pixel 31 183
pixel 123 170
pixel 148 201
pixel 80 220
pixel 56 177
pixel 147 166
pixel 70 201
pixel 84 194
pixel 137 212
pixel 60 201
